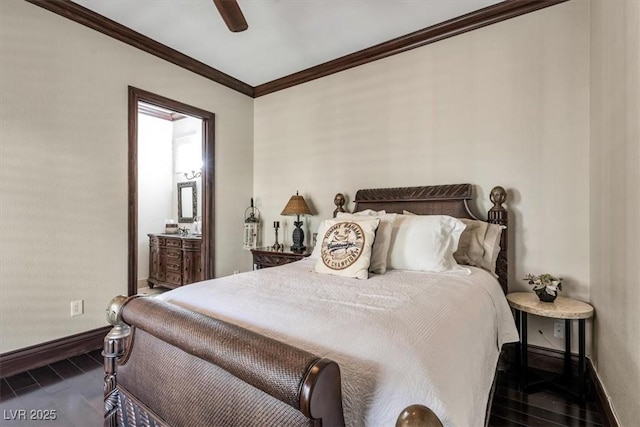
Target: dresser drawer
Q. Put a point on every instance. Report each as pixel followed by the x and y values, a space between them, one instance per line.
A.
pixel 174 278
pixel 191 244
pixel 265 257
pixel 173 266
pixel 173 254
pixel 173 243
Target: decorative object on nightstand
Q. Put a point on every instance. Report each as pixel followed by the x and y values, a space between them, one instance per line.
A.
pixel 251 227
pixel 545 286
pixel 277 246
pixel 297 206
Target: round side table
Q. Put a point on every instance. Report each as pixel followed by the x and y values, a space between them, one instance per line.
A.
pixel 562 308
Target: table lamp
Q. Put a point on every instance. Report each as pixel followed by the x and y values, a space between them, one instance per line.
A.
pixel 297 206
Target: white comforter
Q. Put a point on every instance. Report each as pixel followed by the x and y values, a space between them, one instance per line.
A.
pixel 399 338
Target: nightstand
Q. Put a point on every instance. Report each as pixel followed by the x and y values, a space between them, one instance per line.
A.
pixel 267 257
pixel 562 308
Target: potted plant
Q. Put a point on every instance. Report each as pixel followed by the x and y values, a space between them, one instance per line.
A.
pixel 545 286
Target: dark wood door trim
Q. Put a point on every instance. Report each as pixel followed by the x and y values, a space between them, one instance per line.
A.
pixel 208 168
pixel 490 15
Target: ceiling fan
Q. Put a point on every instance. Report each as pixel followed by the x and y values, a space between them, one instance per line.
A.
pixel 232 15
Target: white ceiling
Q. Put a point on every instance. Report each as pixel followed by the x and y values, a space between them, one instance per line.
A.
pixel 284 36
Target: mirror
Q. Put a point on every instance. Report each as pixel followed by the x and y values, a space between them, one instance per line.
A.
pixel 187 201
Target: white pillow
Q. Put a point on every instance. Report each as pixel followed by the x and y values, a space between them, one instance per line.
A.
pixel 346 247
pixel 425 243
pixel 383 238
pixel 367 212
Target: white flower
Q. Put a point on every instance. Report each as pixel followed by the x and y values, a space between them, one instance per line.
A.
pixel 551 284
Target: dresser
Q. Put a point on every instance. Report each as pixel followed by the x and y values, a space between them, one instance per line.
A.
pixel 174 260
pixel 267 257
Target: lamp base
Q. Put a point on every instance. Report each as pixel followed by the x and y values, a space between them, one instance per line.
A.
pixel 298 238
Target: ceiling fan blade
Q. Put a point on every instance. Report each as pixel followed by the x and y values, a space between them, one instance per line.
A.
pixel 232 15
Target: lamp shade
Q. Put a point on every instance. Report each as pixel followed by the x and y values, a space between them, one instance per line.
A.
pixel 296 206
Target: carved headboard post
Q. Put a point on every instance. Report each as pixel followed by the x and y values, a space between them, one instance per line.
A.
pixel 114 347
pixel 498 215
pixel 339 201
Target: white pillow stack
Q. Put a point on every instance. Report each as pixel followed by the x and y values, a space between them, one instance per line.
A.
pixel 408 242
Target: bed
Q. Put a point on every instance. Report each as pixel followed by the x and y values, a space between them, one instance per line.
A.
pixel 291 346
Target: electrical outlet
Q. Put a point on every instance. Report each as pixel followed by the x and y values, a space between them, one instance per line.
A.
pixel 558 329
pixel 77 308
pixel 236 271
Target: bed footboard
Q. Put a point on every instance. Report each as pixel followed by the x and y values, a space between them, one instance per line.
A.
pixel 169 366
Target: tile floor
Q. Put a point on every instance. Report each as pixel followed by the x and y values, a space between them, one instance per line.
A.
pixel 69 391
pixel 71 388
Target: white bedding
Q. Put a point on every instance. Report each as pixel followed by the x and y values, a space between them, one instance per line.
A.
pixel 400 338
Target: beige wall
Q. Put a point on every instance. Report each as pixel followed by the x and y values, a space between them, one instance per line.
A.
pixel 615 205
pixel 63 177
pixel 504 105
pixel 545 104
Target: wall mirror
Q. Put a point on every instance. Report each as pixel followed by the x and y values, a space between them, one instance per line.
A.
pixel 187 201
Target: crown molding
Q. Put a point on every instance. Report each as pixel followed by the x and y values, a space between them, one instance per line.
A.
pixel 106 26
pixel 489 15
pixel 462 24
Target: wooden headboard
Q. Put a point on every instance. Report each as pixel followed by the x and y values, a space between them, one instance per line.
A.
pixel 440 200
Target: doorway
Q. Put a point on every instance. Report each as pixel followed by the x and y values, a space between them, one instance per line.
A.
pixel 140 100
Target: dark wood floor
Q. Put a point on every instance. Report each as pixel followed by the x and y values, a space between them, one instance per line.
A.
pixel 73 388
pixel 548 406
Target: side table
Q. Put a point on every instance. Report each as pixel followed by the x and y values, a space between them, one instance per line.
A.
pixel 267 257
pixel 562 308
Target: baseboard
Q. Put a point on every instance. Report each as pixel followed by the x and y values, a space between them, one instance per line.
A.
pixel 546 359
pixel 601 396
pixel 143 283
pixel 39 355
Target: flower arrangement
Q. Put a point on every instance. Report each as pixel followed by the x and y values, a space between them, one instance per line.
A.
pixel 545 283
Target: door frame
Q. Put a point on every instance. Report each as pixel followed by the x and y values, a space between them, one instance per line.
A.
pixel 208 168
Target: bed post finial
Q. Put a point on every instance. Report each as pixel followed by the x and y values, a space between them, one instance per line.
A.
pixel 418 415
pixel 498 214
pixel 339 201
pixel 114 347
